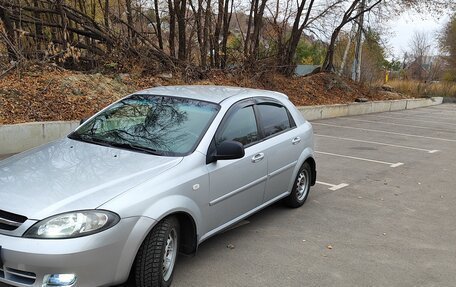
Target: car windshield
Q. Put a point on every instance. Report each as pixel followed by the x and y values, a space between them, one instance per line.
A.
pixel 158 125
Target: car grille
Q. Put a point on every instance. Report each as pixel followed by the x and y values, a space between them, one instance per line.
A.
pixel 17 276
pixel 10 221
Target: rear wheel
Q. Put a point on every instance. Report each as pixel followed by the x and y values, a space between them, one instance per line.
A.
pixel 301 187
pixel 154 264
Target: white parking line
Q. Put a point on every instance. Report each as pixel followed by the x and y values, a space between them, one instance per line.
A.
pixel 425 116
pixel 395 124
pixel 333 187
pixel 378 143
pixel 441 111
pixel 433 109
pixel 411 120
pixel 363 159
pixel 385 132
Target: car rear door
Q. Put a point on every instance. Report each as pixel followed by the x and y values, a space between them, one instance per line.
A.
pixel 237 186
pixel 284 146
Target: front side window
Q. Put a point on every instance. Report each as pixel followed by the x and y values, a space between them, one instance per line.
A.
pixel 274 119
pixel 155 124
pixel 241 126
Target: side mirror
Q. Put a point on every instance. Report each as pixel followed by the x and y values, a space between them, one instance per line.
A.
pixel 229 150
pixel 82 121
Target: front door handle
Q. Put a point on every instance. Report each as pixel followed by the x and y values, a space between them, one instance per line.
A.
pixel 296 140
pixel 258 157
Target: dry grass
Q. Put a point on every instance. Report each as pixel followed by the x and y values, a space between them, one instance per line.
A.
pixel 420 89
pixel 47 93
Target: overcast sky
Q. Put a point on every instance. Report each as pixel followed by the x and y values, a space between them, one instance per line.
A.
pixel 403 27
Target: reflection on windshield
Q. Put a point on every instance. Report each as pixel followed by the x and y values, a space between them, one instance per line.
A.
pixel 153 124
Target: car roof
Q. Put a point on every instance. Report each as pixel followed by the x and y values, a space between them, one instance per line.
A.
pixel 215 94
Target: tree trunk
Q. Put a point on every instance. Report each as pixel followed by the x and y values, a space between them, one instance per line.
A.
pixel 158 21
pixel 207 21
pixel 253 3
pixel 131 35
pixel 106 13
pixel 4 16
pixel 258 25
pixel 198 14
pixel 328 63
pixel 63 23
pixel 180 8
pixel 172 28
pixel 38 28
pixel 288 60
pixel 225 31
pixel 218 28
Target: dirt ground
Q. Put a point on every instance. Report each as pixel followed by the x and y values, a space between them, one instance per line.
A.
pixel 50 93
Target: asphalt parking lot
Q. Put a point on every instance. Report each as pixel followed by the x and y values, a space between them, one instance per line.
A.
pixel 382 213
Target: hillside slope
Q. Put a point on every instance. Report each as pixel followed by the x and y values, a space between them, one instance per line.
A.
pixel 51 93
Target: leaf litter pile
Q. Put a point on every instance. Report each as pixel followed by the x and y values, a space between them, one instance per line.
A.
pixel 49 93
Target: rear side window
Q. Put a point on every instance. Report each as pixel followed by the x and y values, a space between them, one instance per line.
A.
pixel 274 119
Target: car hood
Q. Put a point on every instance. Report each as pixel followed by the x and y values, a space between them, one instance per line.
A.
pixel 69 175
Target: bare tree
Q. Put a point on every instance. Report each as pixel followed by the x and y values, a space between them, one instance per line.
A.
pixel 158 21
pixel 129 11
pixel 254 27
pixel 227 14
pixel 172 28
pixel 180 10
pixel 419 49
pixel 186 33
pixel 295 36
pixel 350 14
pixel 306 15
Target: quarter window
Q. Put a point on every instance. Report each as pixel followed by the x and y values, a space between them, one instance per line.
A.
pixel 274 119
pixel 241 127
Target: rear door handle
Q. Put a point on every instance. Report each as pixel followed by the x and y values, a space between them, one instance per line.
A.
pixel 258 157
pixel 296 140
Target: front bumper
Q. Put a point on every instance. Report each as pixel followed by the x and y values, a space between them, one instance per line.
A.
pixel 101 259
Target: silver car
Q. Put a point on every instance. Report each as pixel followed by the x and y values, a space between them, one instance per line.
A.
pixel 153 174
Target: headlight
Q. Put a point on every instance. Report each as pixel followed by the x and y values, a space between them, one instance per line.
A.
pixel 73 224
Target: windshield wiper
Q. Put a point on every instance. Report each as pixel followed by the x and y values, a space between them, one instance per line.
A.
pixel 124 145
pixel 136 148
pixel 89 139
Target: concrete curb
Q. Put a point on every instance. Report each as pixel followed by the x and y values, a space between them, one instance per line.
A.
pixel 311 113
pixel 451 100
pixel 20 137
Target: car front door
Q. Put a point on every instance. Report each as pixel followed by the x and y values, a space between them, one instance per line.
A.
pixel 237 186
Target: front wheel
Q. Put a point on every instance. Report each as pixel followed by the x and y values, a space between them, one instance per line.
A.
pixel 157 255
pixel 301 187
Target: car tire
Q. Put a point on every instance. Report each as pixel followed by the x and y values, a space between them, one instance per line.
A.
pixel 301 187
pixel 156 258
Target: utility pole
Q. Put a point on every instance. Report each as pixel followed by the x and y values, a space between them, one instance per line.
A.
pixel 356 69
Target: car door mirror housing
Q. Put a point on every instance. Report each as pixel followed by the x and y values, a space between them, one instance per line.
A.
pixel 229 150
pixel 82 121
